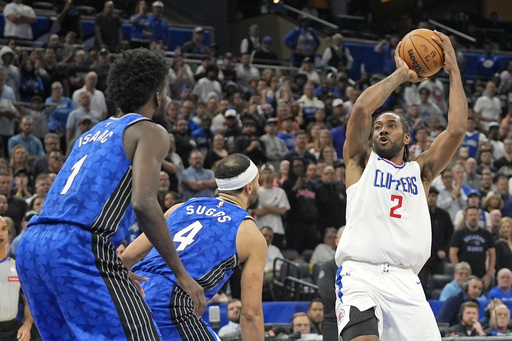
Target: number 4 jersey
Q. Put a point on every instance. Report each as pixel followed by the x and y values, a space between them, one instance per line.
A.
pixel 204 232
pixel 387 216
pixel 94 186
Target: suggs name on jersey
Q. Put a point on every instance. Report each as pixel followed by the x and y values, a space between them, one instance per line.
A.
pixel 100 136
pixel 386 180
pixel 210 212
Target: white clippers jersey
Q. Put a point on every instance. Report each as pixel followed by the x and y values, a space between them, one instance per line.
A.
pixel 387 217
pixel 9 290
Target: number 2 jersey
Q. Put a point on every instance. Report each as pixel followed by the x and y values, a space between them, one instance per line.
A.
pixel 204 232
pixel 93 188
pixel 387 216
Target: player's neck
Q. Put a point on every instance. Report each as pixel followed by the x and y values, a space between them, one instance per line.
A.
pixel 242 202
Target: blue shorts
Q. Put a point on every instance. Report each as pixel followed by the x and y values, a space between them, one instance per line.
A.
pixel 78 289
pixel 173 310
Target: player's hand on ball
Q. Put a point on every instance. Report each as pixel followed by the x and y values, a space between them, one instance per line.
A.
pixel 401 65
pixel 136 279
pixel 450 59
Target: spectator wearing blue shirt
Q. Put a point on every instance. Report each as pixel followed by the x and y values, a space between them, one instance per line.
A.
pixel 159 24
pixel 141 27
pixel 503 289
pixel 57 121
pixel 302 41
pixel 26 139
pixel 287 135
pixel 203 134
pixel 300 150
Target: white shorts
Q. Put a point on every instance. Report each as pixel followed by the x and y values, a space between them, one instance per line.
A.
pixel 401 308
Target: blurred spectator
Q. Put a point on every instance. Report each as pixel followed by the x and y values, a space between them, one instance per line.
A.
pixel 252 42
pixel 72 125
pixel 7 113
pixel 69 19
pixel 101 67
pixel 39 112
pixel 451 196
pixel 77 71
pixel 197 181
pixel 468 325
pixel 461 272
pixel 301 232
pixel 316 315
pixel 503 244
pixel 301 323
pixel 196 45
pixel 471 290
pixel 273 252
pixel 302 41
pixel 308 68
pixel 108 29
pixel 141 27
pixel 173 165
pixel 502 190
pixel 325 251
pixel 98 103
pixel 273 205
pixel 429 109
pixel 84 125
pixel 309 103
pixel 18 18
pixel 504 164
pixel 30 82
pixel 300 149
pixel 488 107
pixel 203 134
pixel 28 140
pixel 330 201
pixel 12 74
pixel 500 318
pixel 475 246
pixel 51 143
pixel 232 329
pixel 245 72
pixel 185 143
pixel 284 168
pixel 502 290
pixel 216 153
pixel 159 25
pixel 488 64
pixel 437 93
pixel 442 231
pixel 337 55
pixel 275 148
pixel 474 199
pixel 265 52
pixel 386 47
pixel 64 105
pixel 208 84
pixel 180 76
pixel 16 206
pixel 249 144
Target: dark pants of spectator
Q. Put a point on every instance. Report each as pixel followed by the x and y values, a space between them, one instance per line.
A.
pixel 278 241
pixel 430 268
pixel 9 330
pixel 301 236
pixel 4 144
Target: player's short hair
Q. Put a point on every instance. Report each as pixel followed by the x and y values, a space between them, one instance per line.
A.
pixel 134 77
pixel 231 166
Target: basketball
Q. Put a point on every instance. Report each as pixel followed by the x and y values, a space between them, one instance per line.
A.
pixel 421 53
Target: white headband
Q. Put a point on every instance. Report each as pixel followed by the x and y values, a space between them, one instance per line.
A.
pixel 238 181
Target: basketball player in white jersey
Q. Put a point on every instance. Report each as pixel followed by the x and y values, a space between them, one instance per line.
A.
pixel 388 235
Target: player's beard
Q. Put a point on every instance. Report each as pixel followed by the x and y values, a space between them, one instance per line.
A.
pixel 390 152
pixel 254 202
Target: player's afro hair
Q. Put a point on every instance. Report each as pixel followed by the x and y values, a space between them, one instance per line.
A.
pixel 134 77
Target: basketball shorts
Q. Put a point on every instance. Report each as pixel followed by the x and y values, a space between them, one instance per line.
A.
pixel 173 310
pixel 78 289
pixel 396 294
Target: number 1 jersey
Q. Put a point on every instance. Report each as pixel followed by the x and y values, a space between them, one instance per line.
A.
pixel 387 216
pixel 93 188
pixel 204 232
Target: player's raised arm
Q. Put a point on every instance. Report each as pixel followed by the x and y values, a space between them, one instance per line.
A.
pixel 151 147
pixel 445 145
pixel 253 252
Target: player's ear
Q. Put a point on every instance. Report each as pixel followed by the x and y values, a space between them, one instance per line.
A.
pixel 407 138
pixel 157 98
pixel 248 188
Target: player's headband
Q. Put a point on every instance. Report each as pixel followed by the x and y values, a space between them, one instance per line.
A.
pixel 238 181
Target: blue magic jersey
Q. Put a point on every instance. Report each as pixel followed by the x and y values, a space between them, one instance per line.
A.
pixel 93 188
pixel 204 231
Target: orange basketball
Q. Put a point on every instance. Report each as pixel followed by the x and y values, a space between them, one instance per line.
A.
pixel 421 53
